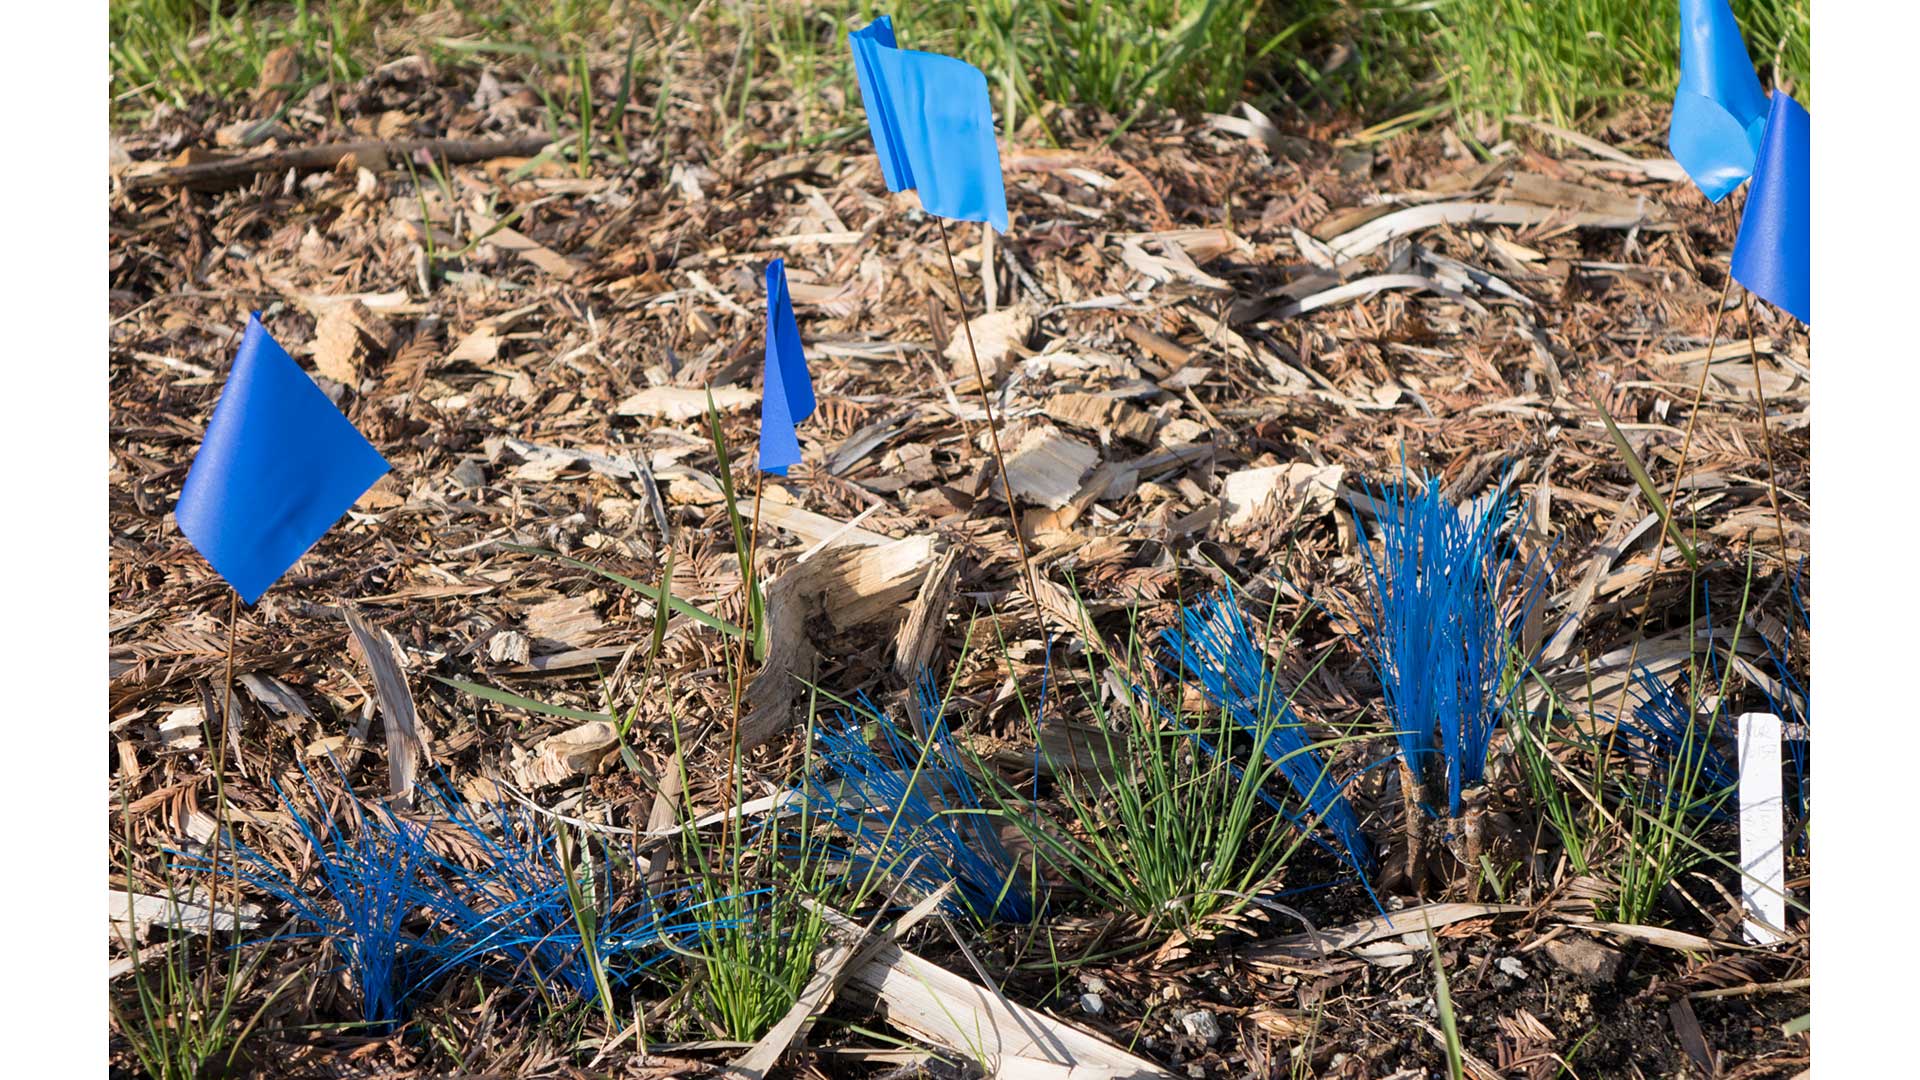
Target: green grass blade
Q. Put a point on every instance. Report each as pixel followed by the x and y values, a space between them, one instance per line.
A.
pixel 1652 493
pixel 1443 1001
pixel 503 697
pixel 650 592
pixel 742 542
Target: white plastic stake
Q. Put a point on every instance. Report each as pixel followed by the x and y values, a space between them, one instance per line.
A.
pixel 1763 882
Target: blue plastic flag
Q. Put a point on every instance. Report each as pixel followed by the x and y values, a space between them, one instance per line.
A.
pixel 1719 110
pixel 786 391
pixel 277 468
pixel 1770 256
pixel 932 126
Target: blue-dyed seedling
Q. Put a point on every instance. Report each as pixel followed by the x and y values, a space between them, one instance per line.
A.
pixel 1449 589
pixel 400 915
pixel 535 913
pixel 913 814
pixel 362 892
pixel 1686 770
pixel 1212 644
pixel 1791 703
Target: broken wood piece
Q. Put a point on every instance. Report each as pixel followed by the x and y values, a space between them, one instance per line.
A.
pixel 829 973
pixel 1307 488
pixel 1301 948
pixel 1558 194
pixel 1414 219
pixel 849 586
pixel 980 1024
pixel 232 170
pixel 407 741
pixel 565 756
pixel 926 616
pixel 684 402
pixel 131 913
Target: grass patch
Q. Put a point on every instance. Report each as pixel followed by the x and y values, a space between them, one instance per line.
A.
pixel 1568 61
pixel 914 814
pixel 1180 831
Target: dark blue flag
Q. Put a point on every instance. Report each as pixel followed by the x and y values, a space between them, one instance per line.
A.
pixel 1719 111
pixel 1771 254
pixel 277 468
pixel 786 390
pixel 932 125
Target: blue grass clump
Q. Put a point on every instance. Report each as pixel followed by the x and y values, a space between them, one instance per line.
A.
pixel 1449 590
pixel 1685 769
pixel 366 885
pixel 1793 704
pixel 401 915
pixel 1212 642
pixel 913 814
pixel 514 916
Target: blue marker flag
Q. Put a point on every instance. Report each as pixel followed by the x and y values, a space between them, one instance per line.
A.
pixel 277 468
pixel 1771 254
pixel 1719 110
pixel 932 125
pixel 786 390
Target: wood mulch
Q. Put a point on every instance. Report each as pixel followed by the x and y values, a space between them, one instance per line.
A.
pixel 1186 395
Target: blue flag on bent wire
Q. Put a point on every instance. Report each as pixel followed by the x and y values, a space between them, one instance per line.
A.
pixel 932 126
pixel 1719 110
pixel 786 390
pixel 1771 254
pixel 278 466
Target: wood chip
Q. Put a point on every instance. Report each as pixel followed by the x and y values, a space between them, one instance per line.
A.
pixel 539 255
pixel 573 753
pixel 1048 466
pixel 998 335
pixel 566 620
pixel 1102 414
pixel 1301 488
pixel 684 403
pixel 346 338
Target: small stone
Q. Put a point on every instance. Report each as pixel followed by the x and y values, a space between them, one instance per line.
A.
pixel 509 647
pixel 1201 1025
pixel 1094 984
pixel 470 475
pixel 1092 1005
pixel 1584 957
pixel 1511 965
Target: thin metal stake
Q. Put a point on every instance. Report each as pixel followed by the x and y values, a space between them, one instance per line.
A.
pixel 993 426
pixel 748 628
pixel 220 785
pixel 1766 429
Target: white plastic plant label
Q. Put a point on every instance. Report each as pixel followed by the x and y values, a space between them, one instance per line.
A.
pixel 1763 880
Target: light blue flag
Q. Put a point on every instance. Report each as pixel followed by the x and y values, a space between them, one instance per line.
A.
pixel 932 126
pixel 1771 256
pixel 786 390
pixel 1719 111
pixel 277 468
